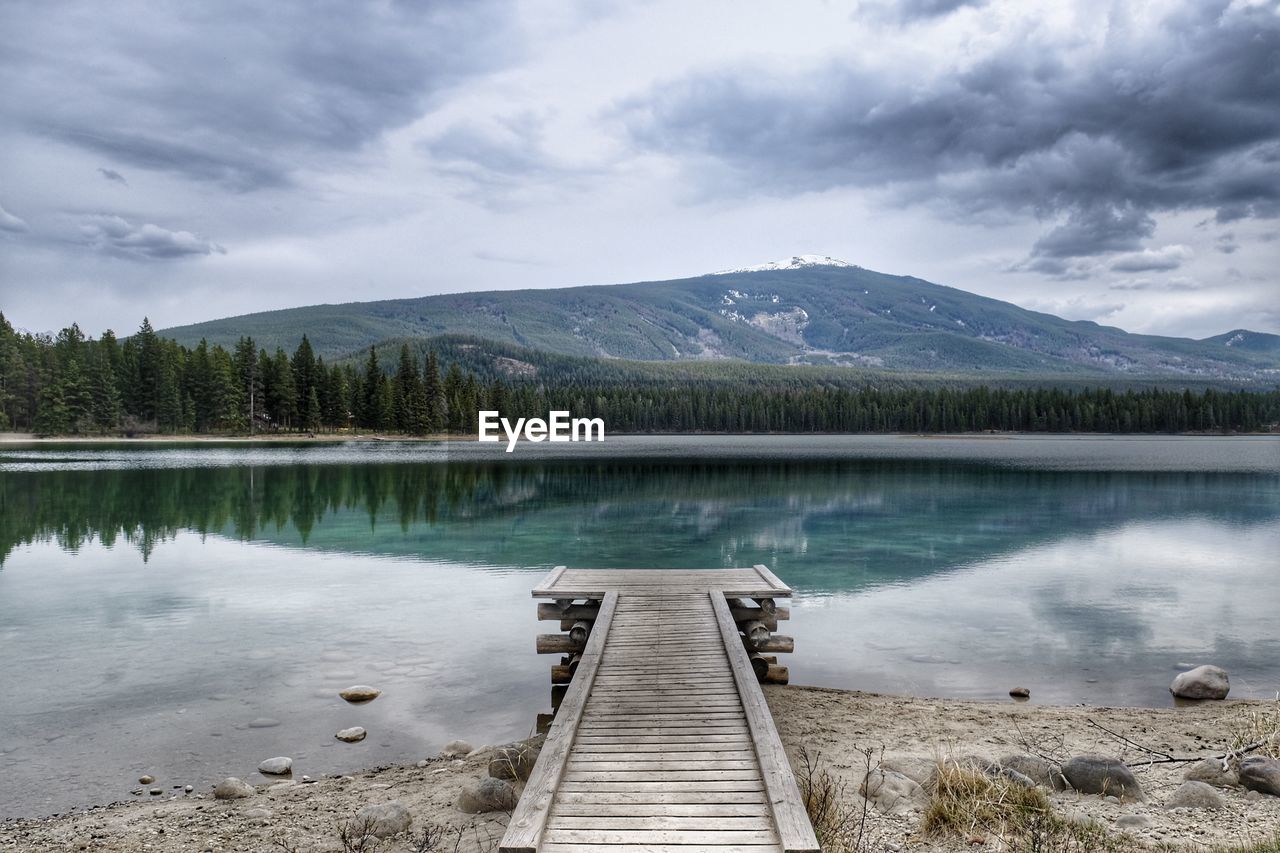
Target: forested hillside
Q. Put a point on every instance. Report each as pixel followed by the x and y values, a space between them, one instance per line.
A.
pixel 75 385
pixel 819 314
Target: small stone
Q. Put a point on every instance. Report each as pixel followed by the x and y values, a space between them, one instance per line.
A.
pixel 422 763
pixel 360 693
pixel 455 749
pixel 1098 774
pixel 1012 776
pixel 188 788
pixel 355 734
pixel 384 820
pixel 512 762
pixel 489 795
pixel 479 750
pixel 146 780
pixel 1132 821
pixel 155 792
pixel 1194 795
pixel 232 788
pixel 1041 771
pixel 1020 692
pixel 1212 772
pixel 264 723
pixel 1261 774
pixel 1203 682
pixel 276 766
pixel 892 792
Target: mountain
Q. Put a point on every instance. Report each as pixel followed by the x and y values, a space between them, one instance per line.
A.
pixel 1243 339
pixel 804 310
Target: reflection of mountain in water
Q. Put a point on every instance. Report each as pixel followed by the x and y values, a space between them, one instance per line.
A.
pixel 825 526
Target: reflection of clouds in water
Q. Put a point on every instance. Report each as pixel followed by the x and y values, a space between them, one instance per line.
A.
pixel 1123 606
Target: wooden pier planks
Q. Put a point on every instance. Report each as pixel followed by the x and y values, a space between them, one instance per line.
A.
pixel 664 741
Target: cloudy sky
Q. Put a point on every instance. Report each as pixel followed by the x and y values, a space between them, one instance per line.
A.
pixel 1113 161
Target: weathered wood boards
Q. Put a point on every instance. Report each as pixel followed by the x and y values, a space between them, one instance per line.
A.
pixel 524 831
pixel 662 741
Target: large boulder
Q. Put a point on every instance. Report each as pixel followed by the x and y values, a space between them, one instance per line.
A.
pixel 1203 682
pixel 1039 770
pixel 488 795
pixel 1213 771
pixel 1098 774
pixel 1194 795
pixel 1261 774
pixel 892 792
pixel 383 820
pixel 232 788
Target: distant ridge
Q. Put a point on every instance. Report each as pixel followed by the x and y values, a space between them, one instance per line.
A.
pixel 807 309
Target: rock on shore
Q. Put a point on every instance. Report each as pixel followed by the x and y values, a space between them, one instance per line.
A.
pixel 1203 682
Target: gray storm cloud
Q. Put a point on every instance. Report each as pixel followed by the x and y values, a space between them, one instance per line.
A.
pixel 1180 115
pixel 234 93
pixel 116 235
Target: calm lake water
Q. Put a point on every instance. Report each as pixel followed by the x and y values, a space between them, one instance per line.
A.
pixel 156 600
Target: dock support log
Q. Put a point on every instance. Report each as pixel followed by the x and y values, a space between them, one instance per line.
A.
pixel 557 644
pixel 776 643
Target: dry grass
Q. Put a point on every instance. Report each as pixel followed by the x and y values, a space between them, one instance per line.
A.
pixel 839 820
pixel 1271 845
pixel 1257 725
pixel 968 804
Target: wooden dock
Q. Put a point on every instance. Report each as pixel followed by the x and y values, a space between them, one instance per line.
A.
pixel 662 741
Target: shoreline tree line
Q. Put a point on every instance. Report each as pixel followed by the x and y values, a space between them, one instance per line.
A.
pixel 70 384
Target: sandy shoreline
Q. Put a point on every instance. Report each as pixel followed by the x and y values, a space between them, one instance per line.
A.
pixel 831 725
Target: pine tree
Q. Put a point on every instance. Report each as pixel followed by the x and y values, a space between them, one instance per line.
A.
pixel 311 416
pixel 433 391
pixel 371 409
pixel 305 375
pixel 249 374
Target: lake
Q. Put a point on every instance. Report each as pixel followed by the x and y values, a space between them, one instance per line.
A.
pixel 157 599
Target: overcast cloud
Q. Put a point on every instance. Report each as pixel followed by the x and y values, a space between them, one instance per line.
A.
pixel 1112 161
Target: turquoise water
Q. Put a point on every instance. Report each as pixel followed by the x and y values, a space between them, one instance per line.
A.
pixel 155 600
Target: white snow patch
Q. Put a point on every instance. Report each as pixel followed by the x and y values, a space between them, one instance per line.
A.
pixel 932 308
pixel 795 262
pixel 1235 339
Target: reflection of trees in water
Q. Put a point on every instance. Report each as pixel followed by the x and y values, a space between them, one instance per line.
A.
pixel 866 518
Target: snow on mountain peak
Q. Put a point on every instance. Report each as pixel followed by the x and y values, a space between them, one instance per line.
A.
pixel 795 262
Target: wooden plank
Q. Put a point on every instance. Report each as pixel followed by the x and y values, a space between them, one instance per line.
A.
pixel 682 763
pixel 550 580
pixel 758 822
pixel 524 830
pixel 575 847
pixel 656 786
pixel 586 756
pixel 659 797
pixel 661 777
pixel 794 829
pixel 632 809
pixel 773 580
pixel 678 734
pixel 640 750
pixel 657 836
